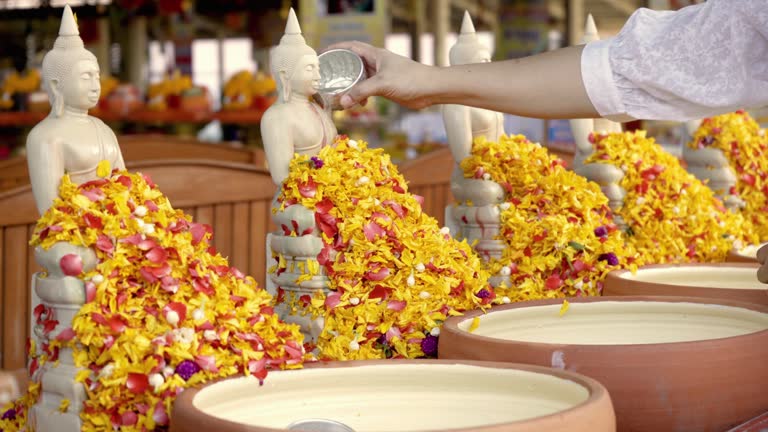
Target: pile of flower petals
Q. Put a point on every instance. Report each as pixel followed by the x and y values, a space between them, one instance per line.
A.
pixel 395 275
pixel 744 145
pixel 559 234
pixel 671 215
pixel 164 311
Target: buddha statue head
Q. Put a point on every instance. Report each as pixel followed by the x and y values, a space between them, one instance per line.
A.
pixel 468 48
pixel 70 72
pixel 294 64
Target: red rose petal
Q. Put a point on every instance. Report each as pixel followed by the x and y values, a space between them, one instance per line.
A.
pixel 553 282
pixel 393 333
pixel 419 199
pixel 169 284
pixel 160 416
pixel 163 270
pixel 129 418
pixel 94 195
pixel 116 324
pixel 179 308
pixel 397 208
pixel 151 206
pixel 326 223
pixel 133 239
pixel 379 292
pixel 198 232
pixel 99 319
pixel 71 264
pixel 93 221
pixel 324 206
pixel 148 179
pixel 125 181
pixel 372 230
pixel 104 244
pixel 147 275
pixel 308 189
pixel 396 305
pixel 157 255
pixel 137 383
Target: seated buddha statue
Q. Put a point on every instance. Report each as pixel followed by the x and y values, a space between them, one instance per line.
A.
pixel 478 221
pixel 67 141
pixel 606 175
pixel 297 123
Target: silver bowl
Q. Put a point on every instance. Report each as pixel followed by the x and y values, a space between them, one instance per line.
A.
pixel 340 70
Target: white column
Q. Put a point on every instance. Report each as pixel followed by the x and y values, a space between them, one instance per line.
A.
pixel 137 57
pixel 442 22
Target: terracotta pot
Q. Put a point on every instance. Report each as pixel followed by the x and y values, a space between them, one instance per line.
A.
pixel 746 254
pixel 729 281
pixel 402 395
pixel 643 349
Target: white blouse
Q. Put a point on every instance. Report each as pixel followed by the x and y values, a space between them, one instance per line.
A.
pixel 699 61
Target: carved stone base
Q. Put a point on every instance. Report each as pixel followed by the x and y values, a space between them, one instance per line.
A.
pixel 481 227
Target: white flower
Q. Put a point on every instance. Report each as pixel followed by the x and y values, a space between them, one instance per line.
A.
pixel 156 380
pixel 505 206
pixel 675 209
pixel 97 278
pixel 578 285
pixel 198 314
pixel 486 176
pixel 172 317
pixel 420 267
pixel 148 228
pixel 140 211
pixel 363 180
pixel 140 223
pixel 445 230
pixel 184 335
pixel 435 331
pixel 107 370
pixel 506 271
pixel 640 200
pixel 168 371
pixel 506 300
pixel 352 143
pixel 354 301
pixel 354 346
pixel 210 335
pixel 425 295
pixel 411 281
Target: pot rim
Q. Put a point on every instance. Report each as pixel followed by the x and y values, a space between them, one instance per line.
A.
pixel 451 325
pixel 615 276
pixel 598 394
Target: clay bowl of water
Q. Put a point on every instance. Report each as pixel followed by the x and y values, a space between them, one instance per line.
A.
pixel 728 281
pixel 747 254
pixel 669 363
pixel 400 396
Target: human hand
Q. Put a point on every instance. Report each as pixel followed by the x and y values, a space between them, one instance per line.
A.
pixel 392 76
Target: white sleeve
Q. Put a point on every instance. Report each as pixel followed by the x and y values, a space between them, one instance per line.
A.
pixel 698 61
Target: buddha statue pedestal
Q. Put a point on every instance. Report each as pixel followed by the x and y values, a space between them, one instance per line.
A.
pixel 712 167
pixel 61 298
pixel 479 222
pixel 297 257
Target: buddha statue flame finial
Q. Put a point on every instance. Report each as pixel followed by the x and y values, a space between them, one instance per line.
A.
pixel 284 56
pixel 58 62
pixel 468 48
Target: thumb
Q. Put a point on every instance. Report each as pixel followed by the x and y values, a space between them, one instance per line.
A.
pixel 361 91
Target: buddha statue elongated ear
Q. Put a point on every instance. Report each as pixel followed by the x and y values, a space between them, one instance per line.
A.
pixel 285 85
pixel 57 99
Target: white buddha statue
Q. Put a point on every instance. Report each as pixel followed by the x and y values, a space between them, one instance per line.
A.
pixel 296 123
pixel 67 141
pixel 711 165
pixel 480 221
pixel 606 175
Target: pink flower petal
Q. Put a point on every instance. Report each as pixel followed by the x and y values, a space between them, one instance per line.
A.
pixel 373 230
pixel 169 284
pixel 94 195
pixel 237 273
pixel 93 221
pixel 147 275
pixel 147 244
pixel 151 206
pixel 393 333
pixel 66 335
pixel 90 291
pixel 129 418
pixel 419 199
pixel 308 189
pixel 198 232
pixel 160 416
pixel 378 275
pixel 137 383
pixel 116 324
pixel 157 255
pixel 104 244
pixel 71 264
pixel 332 300
pixel 396 305
pixel 179 308
pixel 133 239
pixel 397 208
pixel 206 363
pixel 125 181
pixel 163 270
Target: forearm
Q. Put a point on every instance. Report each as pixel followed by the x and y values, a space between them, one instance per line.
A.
pixel 547 85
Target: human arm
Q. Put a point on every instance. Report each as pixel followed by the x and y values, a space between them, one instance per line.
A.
pixel 695 62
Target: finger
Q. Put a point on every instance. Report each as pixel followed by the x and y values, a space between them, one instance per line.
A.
pixel 361 91
pixel 762 254
pixel 762 274
pixel 368 53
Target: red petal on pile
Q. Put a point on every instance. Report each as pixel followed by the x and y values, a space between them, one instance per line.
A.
pixel 169 284
pixel 203 286
pixel 157 255
pixel 308 189
pixel 147 275
pixel 147 244
pixel 132 239
pixel 392 333
pixel 379 292
pixel 396 305
pixel 38 312
pixel 49 325
pixel 373 230
pixel 151 206
pixel 237 273
pixel 125 181
pixel 377 275
pixel 198 231
pixel 137 383
pixel 93 221
pixel 256 367
pixel 116 324
pixel 94 195
pixel 578 265
pixel 129 418
pixel 419 199
pixel 162 271
pixel 148 179
pixel 206 363
pixel 397 208
pixel 332 300
pixel 66 335
pixel 99 318
pixel 327 224
pixel 71 264
pixel 324 257
pixel 179 308
pixel 293 352
pixel 104 244
pixel 324 206
pixel 553 282
pixel 93 183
